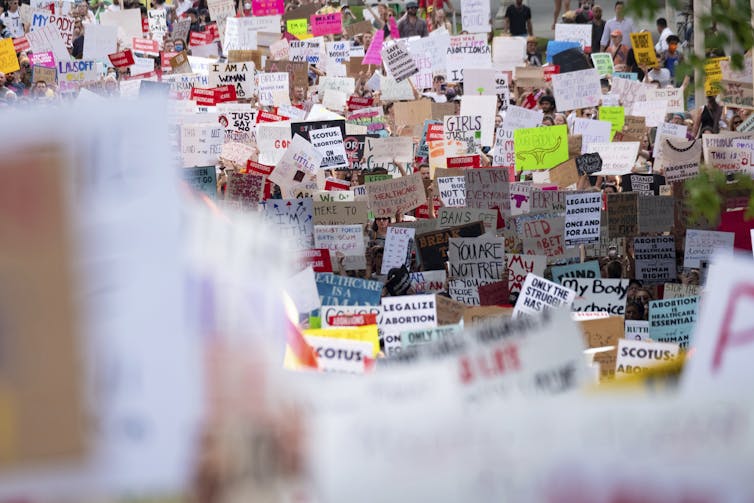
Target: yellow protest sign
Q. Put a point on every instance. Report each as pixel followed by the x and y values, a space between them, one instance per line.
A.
pixel 615 116
pixel 299 28
pixel 8 59
pixel 643 48
pixel 540 147
pixel 367 333
pixel 713 74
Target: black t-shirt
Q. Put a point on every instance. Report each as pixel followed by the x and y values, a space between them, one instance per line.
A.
pixel 517 19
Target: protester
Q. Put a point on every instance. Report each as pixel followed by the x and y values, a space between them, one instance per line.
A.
pixel 518 19
pixel 665 32
pixel 620 23
pixel 410 24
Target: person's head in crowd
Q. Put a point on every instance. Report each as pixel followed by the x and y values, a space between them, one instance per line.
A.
pixel 531 45
pixel 12 5
pixel 439 15
pixel 383 11
pixel 179 45
pixel 379 227
pixel 299 94
pixel 678 118
pixel 644 296
pixel 693 277
pixel 569 17
pixel 559 119
pixel 614 269
pixel 616 38
pixel 438 84
pixel 548 120
pixel 193 15
pixel 672 42
pixel 634 311
pixel 619 8
pixel 366 39
pixel 597 12
pixel 424 170
pixel 169 46
pixel 662 23
pixel 633 287
pixel 498 120
pixel 204 16
pixel 111 85
pixel 590 113
pixel 547 104
pixel 735 121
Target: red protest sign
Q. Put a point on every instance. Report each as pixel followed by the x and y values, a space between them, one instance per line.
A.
pixel 264 116
pixel 200 38
pixel 435 132
pixel 357 102
pixel 352 320
pixel 122 59
pixel 318 258
pixel 550 71
pixel 21 44
pixel 165 58
pixel 466 161
pixel 145 46
pixel 331 184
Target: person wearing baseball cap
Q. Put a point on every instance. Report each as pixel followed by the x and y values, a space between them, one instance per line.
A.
pixel 617 49
pixel 410 24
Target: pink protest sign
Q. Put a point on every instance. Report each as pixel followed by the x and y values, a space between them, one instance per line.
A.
pixel 45 59
pixel 373 55
pixel 268 7
pixel 326 24
pixel 394 34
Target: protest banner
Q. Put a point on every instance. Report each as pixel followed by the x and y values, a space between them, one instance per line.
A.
pixel 44 74
pixel 541 147
pixel 598 294
pixel 239 75
pixel 399 314
pixel 591 131
pixel 656 214
pixel 316 258
pixel 603 333
pixel 428 335
pixel 644 50
pixel 340 213
pixel 673 320
pixel 240 35
pixel 122 59
pixel 45 59
pixel 451 217
pixel 452 191
pixel 345 239
pixel 574 57
pixel 273 89
pixel 158 23
pixel 294 219
pixel 326 24
pixel 637 330
pixel 373 56
pixel 389 197
pixel 615 115
pixel 581 270
pixel 572 32
pixel 433 246
pixel 467 51
pixel 335 290
pixel 655 258
pixel 680 159
pixel 588 164
pixel 617 158
pixel 653 111
pixel 701 245
pixel 483 107
pixel 488 188
pixel 398 246
pixel 395 148
pixel 63 24
pixel 48 39
pixel 428 281
pixel 503 151
pixel 246 188
pixel 71 74
pixel 508 52
pixel 518 266
pixel 579 89
pixel 100 41
pixel 462 130
pixel 520 197
pixel 329 143
pixel 201 179
pixel 494 294
pixel 538 294
pixel 336 349
pixel 636 357
pixel 645 185
pixel 603 63
pixel 398 61
pixel 565 174
pixel 480 257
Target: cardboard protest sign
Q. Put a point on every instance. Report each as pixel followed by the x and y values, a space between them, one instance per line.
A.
pixel 202 179
pixel 656 214
pixel 345 239
pixel 701 245
pixel 298 161
pixel 673 320
pixel 579 89
pixel 451 217
pixel 636 357
pixel 675 290
pixel 603 63
pixel 646 185
pixel 467 51
pixel 398 246
pixel 433 246
pixel 452 191
pixel 566 174
pixel 245 188
pixel 475 16
pixel 398 62
pixel 480 257
pixel 547 201
pixel 519 266
pixel 582 220
pixel 239 75
pixel 603 333
pixel 329 143
pixel 573 32
pixel 655 258
pixel 644 50
pixel 428 281
pixel 335 290
pixel 340 212
pixel 464 131
pixel 543 235
pixel 399 195
pixel 541 147
pixel 41 73
pixel 617 158
pixel 538 294
pixel 294 219
pixel 407 312
pixel 581 270
pixel 622 215
pixel 680 159
pixel 488 188
pixel 598 295
pixel 588 164
pixel 591 131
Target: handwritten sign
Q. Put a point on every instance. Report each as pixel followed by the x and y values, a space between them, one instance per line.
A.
pixel 579 89
pixel 398 246
pixel 582 220
pixel 539 294
pixel 598 295
pixel 519 266
pixel 540 148
pixel 345 239
pixel 701 245
pixel 389 197
pixel 327 24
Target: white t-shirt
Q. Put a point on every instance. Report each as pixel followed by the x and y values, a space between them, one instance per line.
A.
pixel 662 76
pixel 12 21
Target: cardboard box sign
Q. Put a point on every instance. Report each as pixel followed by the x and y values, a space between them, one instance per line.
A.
pixel 433 246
